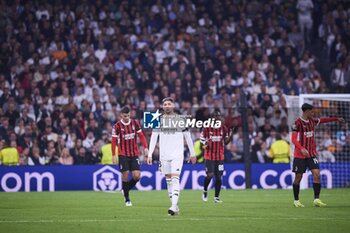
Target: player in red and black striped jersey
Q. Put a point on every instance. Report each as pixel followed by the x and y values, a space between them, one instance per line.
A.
pixel 303 137
pixel 124 134
pixel 213 140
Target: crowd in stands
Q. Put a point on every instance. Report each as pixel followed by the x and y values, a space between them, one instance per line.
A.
pixel 68 66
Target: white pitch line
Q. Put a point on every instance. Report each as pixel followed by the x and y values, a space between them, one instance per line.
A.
pixel 177 218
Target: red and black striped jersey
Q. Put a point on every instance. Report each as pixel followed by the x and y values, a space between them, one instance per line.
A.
pixel 127 137
pixel 214 139
pixel 306 136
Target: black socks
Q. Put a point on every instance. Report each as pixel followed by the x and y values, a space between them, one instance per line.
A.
pixel 296 188
pixel 317 190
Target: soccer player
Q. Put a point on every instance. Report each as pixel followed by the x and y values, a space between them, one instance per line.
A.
pixel 124 134
pixel 213 140
pixel 305 152
pixel 171 149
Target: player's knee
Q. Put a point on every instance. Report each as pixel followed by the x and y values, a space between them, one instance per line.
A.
pixel 296 182
pixel 298 178
pixel 316 176
pixel 125 176
pixel 210 175
pixel 136 177
pixel 175 177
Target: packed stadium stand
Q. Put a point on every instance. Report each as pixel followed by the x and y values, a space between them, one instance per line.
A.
pixel 67 68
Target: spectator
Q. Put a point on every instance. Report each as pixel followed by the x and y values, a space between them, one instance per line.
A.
pixel 305 8
pixel 338 78
pixel 89 140
pixel 260 152
pixel 82 157
pixel 122 63
pixel 9 155
pixel 106 151
pixel 12 114
pixel 280 150
pixel 325 156
pixel 95 155
pixel 35 158
pixel 66 158
pixel 232 154
pixel 4 128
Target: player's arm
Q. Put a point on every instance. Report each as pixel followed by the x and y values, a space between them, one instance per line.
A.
pixel 142 137
pixel 152 146
pixel 203 138
pixel 229 136
pixel 330 119
pixel 143 141
pixel 295 141
pixel 114 143
pixel 189 142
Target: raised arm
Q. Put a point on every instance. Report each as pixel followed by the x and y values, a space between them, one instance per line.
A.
pixel 330 119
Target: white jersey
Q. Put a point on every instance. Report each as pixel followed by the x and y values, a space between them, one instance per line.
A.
pixel 171 144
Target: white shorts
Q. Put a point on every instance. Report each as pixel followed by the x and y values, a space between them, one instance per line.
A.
pixel 170 166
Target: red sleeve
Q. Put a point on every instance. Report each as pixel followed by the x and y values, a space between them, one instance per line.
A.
pixel 296 130
pixel 140 134
pixel 115 133
pixel 114 144
pixel 326 120
pixel 143 139
pixel 137 127
pixel 295 140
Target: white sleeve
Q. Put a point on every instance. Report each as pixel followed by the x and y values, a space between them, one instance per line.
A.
pixel 202 139
pixel 153 143
pixel 189 141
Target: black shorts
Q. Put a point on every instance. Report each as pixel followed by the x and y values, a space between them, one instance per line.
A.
pixel 300 165
pixel 214 166
pixel 127 163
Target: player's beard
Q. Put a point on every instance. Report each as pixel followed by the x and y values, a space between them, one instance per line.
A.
pixel 169 111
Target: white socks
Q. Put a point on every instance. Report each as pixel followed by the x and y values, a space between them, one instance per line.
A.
pixel 175 180
pixel 169 187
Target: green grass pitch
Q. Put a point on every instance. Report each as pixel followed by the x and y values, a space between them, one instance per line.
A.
pixel 242 211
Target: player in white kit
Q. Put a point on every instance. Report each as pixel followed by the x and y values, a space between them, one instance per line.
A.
pixel 171 150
